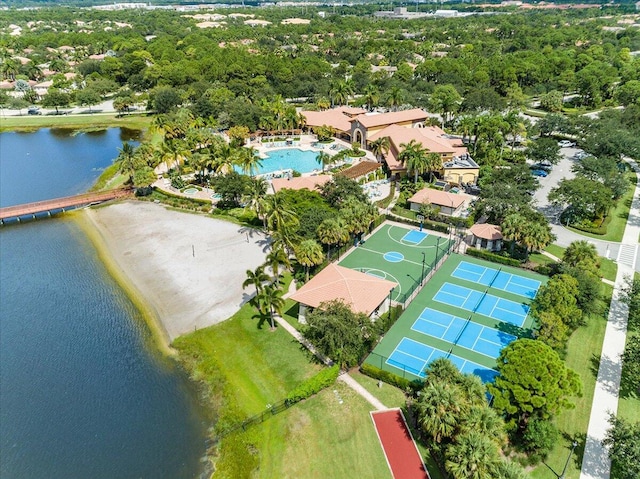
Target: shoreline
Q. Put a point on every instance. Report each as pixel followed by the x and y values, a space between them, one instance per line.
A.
pixel 178 287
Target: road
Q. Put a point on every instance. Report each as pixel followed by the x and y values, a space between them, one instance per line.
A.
pixel 626 253
pixel 106 107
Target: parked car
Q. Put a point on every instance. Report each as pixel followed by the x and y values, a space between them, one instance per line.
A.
pixel 540 173
pixel 34 110
pixel 566 144
pixel 541 166
pixel 580 155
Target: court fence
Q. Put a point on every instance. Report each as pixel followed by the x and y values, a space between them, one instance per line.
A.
pixel 379 361
pixel 408 296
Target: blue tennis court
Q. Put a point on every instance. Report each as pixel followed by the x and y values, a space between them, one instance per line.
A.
pixel 498 279
pixel 414 236
pixel 413 357
pixel 482 303
pixel 462 332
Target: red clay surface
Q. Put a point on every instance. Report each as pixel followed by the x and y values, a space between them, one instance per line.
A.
pixel 402 454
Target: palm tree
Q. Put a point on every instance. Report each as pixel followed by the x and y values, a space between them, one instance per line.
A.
pixel 340 92
pixel 357 215
pixel 275 258
pixel 255 198
pixel 580 252
pixel 439 408
pixel 514 126
pixel 395 98
pixel 472 456
pixel 414 157
pixel 513 228
pixel 270 301
pixel 247 159
pixel 126 159
pixel 256 278
pixel 485 421
pixel 9 68
pixel 537 236
pixel 433 162
pixel 380 147
pixel 309 253
pixel 332 231
pixel 371 96
pixel 325 159
pixel 279 217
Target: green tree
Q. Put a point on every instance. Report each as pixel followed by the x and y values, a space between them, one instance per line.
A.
pixel 56 98
pixel 586 199
pixel 339 333
pixel 256 279
pixel 543 149
pixel 582 254
pixel 472 456
pixel 324 159
pixel 532 382
pixel 552 101
pixel 559 296
pixel 414 158
pixel 380 147
pixel 445 100
pixel 254 198
pixel 332 231
pixel 513 228
pixel 631 362
pixel 270 302
pixel 309 253
pixel 623 442
pixel 127 159
pixel 339 189
pixel 164 99
pixel 88 96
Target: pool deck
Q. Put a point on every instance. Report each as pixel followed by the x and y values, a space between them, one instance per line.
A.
pixel 375 191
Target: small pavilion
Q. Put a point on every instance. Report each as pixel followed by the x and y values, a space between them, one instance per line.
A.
pixel 363 293
pixel 486 236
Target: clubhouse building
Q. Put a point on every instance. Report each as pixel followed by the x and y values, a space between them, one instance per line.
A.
pixel 401 127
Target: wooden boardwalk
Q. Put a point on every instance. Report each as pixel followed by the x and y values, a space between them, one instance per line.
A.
pixel 49 206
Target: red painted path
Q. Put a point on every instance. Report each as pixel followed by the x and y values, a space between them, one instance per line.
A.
pixel 402 454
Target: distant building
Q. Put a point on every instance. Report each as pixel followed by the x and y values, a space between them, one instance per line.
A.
pixel 449 204
pixel 457 165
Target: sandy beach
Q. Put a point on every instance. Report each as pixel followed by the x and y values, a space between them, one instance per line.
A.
pixel 189 269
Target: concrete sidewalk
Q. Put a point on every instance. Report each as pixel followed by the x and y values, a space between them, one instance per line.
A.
pixel 595 462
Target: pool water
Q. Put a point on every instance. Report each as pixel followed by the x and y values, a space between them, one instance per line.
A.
pixel 289 159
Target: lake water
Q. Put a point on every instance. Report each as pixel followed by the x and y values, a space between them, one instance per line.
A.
pixel 83 391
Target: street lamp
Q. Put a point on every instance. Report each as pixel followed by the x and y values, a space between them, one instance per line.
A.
pixel 423 260
pixel 566 464
pixel 573 446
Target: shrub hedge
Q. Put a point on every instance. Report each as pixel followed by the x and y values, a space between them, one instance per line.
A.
pixel 496 258
pixel 390 378
pixel 314 385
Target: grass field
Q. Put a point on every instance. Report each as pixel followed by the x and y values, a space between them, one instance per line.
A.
pixel 243 367
pixel 388 254
pixel 403 327
pixel 583 356
pixel 26 122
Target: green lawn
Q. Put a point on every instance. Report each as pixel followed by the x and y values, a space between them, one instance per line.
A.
pixel 583 356
pixel 608 268
pixel 243 367
pixel 26 123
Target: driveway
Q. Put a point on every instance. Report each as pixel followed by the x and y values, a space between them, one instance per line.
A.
pixel 624 253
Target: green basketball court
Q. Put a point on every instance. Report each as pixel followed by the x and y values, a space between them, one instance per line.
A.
pixel 398 253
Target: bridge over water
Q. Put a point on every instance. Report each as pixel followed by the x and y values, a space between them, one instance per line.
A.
pixel 57 205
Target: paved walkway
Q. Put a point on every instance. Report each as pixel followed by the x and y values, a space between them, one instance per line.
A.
pixel 344 377
pixel 595 462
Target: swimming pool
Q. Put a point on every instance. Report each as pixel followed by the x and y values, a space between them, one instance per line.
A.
pixel 289 159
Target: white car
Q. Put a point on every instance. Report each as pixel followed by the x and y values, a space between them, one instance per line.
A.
pixel 566 144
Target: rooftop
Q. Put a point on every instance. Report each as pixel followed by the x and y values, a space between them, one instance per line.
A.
pixel 438 198
pixel 363 293
pixel 361 169
pixel 486 231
